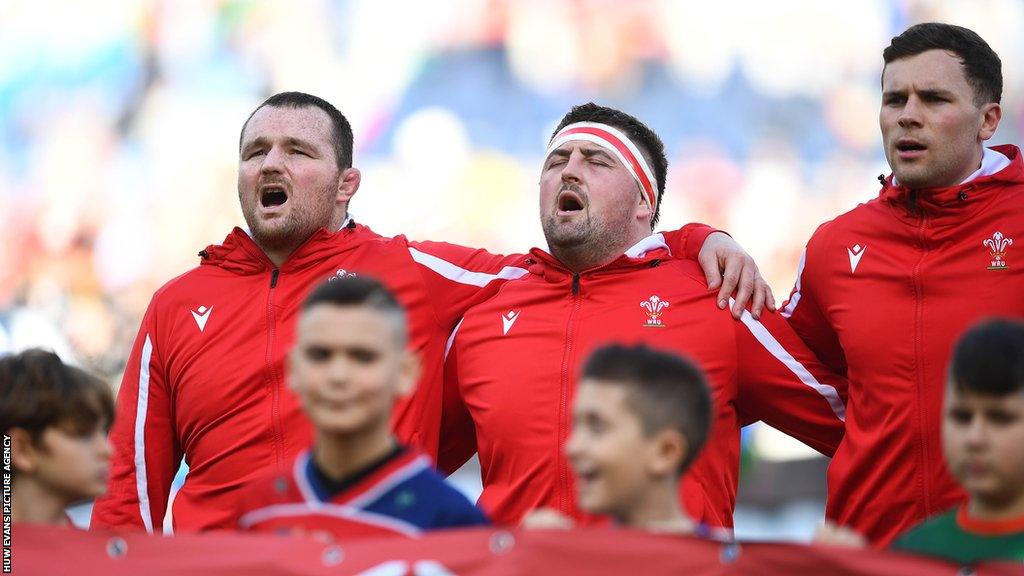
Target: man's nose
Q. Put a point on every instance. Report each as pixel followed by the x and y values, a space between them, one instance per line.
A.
pixel 910 114
pixel 273 161
pixel 573 167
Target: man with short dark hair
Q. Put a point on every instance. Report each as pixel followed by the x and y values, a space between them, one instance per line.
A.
pixel 513 361
pixel 205 378
pixel 341 131
pixel 884 290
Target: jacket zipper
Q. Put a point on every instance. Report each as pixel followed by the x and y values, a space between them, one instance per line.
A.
pixel 919 365
pixel 563 412
pixel 274 377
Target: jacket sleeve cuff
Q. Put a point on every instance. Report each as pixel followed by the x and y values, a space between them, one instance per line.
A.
pixel 691 238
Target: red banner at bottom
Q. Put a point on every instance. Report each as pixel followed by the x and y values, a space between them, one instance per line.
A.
pixel 48 550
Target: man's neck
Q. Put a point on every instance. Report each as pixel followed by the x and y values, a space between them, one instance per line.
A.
pixel 659 511
pixel 33 503
pixel 341 456
pixel 579 258
pixel 989 162
pixel 279 255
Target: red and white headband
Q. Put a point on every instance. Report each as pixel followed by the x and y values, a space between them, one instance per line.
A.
pixel 617 143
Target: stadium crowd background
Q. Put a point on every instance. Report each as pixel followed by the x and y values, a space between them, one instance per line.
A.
pixel 119 125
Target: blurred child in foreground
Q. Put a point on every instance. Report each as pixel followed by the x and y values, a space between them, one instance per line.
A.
pixel 350 363
pixel 983 441
pixel 640 418
pixel 56 418
pixel 983 444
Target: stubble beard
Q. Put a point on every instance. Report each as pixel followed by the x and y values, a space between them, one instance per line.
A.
pixel 585 243
pixel 297 225
pixel 941 169
pixel 569 235
pixel 922 177
pixel 911 176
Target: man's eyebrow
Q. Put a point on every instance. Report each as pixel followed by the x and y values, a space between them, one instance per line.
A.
pixel 590 152
pixel 587 153
pixel 293 141
pixel 923 92
pixel 290 141
pixel 260 141
pixel 560 153
pixel 935 92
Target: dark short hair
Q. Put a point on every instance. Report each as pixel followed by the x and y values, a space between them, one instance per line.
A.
pixel 341 130
pixel 39 391
pixel 664 389
pixel 989 358
pixel 982 67
pixel 638 132
pixel 359 291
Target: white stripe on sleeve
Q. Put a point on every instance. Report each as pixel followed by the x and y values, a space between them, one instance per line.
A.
pixel 795 298
pixel 461 275
pixel 451 338
pixel 776 349
pixel 140 435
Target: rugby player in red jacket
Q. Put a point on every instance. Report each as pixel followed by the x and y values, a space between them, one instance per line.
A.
pixel 205 379
pixel 513 360
pixel 884 290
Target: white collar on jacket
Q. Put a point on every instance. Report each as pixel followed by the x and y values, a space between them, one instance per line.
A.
pixel 652 242
pixel 991 162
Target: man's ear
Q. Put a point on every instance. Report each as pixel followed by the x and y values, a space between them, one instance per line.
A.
pixel 644 212
pixel 24 452
pixel 991 114
pixel 668 450
pixel 409 372
pixel 348 185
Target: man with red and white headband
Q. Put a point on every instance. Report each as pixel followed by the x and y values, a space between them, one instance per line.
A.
pixel 513 361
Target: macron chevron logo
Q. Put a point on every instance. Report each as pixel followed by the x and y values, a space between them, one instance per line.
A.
pixel 507 320
pixel 855 253
pixel 202 314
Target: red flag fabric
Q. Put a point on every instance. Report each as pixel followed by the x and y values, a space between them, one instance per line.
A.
pixel 482 551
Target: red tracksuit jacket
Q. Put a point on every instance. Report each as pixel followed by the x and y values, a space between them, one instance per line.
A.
pixel 514 360
pixel 882 294
pixel 205 379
